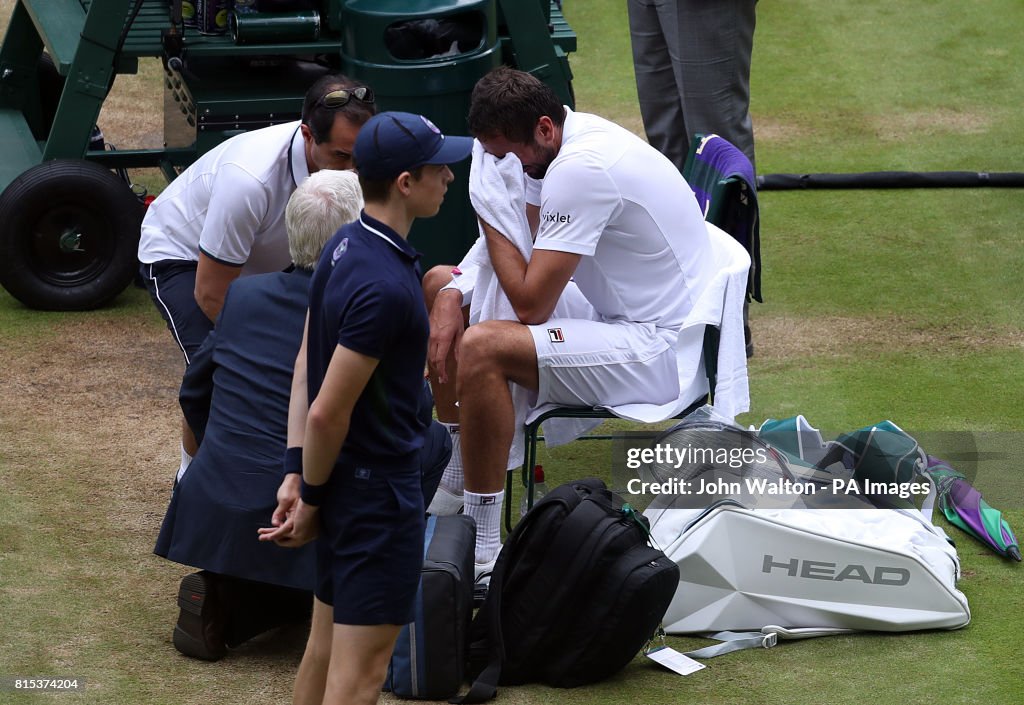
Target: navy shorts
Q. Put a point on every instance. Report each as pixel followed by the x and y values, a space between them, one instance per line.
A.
pixel 172 286
pixel 370 549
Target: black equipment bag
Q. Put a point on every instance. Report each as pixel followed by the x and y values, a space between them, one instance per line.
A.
pixel 576 593
pixel 430 654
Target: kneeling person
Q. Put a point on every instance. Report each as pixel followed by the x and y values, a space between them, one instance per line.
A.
pixel 234 397
pixel 367 336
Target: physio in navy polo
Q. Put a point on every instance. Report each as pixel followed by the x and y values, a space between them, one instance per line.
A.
pixel 366 350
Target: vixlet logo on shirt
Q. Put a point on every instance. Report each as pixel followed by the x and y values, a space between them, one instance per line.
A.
pixel 555 217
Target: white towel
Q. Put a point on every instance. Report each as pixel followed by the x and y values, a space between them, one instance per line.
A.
pixel 721 304
pixel 499 198
pixel 497 192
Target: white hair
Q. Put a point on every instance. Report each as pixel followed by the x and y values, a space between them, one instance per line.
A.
pixel 320 205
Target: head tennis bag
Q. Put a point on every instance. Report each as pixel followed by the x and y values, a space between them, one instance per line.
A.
pixel 847 569
pixel 801 569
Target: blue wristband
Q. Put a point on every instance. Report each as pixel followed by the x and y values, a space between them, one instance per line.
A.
pixel 293 460
pixel 313 495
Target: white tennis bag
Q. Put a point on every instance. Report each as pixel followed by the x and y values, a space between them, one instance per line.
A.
pixel 845 569
pixel 800 572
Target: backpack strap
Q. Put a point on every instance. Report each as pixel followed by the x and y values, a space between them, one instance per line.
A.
pixel 485 687
pixel 766 638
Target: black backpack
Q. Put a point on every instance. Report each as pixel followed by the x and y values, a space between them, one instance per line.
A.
pixel 576 593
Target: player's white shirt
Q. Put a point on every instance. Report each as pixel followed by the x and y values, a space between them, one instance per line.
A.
pixel 614 199
pixel 230 203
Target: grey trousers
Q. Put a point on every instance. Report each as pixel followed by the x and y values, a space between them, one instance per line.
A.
pixel 692 64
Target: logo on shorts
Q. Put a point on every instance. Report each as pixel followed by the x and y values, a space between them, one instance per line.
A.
pixel 362 473
pixel 339 251
pixel 555 335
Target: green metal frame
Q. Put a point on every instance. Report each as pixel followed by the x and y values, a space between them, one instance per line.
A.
pixel 92 41
pixel 81 36
pixel 538 42
pixel 82 40
pixel 82 47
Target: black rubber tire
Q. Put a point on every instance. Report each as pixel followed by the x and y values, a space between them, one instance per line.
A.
pixel 69 235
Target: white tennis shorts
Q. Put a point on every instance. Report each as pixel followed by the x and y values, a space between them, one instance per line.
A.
pixel 593 363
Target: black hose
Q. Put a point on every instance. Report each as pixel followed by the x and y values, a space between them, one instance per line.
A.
pixel 127 27
pixel 890 179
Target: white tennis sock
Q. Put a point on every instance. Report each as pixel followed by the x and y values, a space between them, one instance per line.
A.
pixel 486 512
pixel 186 460
pixel 451 480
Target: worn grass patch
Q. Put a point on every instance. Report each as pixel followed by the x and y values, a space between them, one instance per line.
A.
pixel 90 449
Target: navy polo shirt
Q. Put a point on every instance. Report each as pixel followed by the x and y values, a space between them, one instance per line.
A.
pixel 366 296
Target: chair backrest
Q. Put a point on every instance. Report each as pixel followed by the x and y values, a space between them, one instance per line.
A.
pixel 723 181
pixel 720 307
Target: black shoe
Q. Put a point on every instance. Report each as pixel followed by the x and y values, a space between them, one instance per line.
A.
pixel 253 608
pixel 200 629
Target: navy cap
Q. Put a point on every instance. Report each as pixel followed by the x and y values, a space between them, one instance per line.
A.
pixel 390 143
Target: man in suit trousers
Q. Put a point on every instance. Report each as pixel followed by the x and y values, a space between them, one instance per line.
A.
pixel 235 397
pixel 692 64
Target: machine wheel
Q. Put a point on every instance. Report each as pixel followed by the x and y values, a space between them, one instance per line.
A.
pixel 69 233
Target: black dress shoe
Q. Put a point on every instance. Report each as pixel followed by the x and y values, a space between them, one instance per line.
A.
pixel 253 608
pixel 200 629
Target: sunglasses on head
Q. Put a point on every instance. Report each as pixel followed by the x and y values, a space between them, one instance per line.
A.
pixel 341 97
